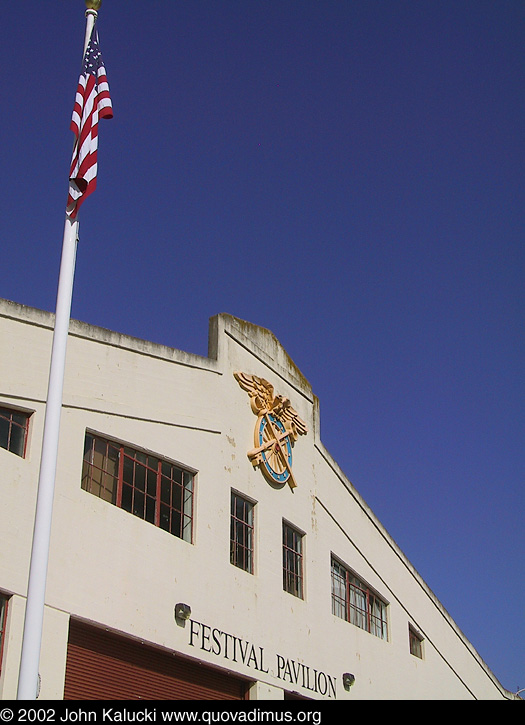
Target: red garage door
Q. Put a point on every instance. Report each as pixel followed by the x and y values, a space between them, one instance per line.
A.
pixel 105 666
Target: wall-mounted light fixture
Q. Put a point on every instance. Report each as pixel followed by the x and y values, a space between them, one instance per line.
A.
pixel 182 611
pixel 348 680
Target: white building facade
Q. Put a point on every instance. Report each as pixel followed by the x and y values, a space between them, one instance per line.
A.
pixel 205 545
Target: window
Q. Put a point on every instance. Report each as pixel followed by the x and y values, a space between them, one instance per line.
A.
pixel 143 484
pixel 14 425
pixel 3 619
pixel 355 602
pixel 292 561
pixel 241 533
pixel 415 642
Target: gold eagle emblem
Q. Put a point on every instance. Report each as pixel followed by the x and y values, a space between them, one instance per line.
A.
pixel 277 428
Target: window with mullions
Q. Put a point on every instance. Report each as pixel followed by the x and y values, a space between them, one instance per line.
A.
pixel 14 425
pixel 355 602
pixel 143 484
pixel 415 642
pixel 292 561
pixel 241 533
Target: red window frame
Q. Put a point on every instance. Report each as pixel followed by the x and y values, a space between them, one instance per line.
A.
pixel 241 532
pixel 355 602
pixel 17 421
pixel 144 484
pixel 415 642
pixel 292 560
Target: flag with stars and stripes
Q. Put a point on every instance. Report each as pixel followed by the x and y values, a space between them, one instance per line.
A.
pixel 91 103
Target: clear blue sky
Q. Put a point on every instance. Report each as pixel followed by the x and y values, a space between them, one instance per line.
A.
pixel 347 174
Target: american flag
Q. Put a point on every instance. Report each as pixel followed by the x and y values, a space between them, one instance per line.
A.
pixel 91 103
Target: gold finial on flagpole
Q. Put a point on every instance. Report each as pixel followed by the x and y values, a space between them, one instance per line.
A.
pixel 93 4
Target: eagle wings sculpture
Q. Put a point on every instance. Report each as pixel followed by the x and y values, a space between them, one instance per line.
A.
pixel 278 427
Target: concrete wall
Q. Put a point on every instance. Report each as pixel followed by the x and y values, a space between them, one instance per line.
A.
pixel 111 568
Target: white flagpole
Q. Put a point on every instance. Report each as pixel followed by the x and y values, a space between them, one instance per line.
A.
pixel 34 616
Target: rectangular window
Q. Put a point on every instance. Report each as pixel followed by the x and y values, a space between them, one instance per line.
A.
pixel 415 643
pixel 241 533
pixel 3 619
pixel 14 425
pixel 355 602
pixel 146 485
pixel 292 561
